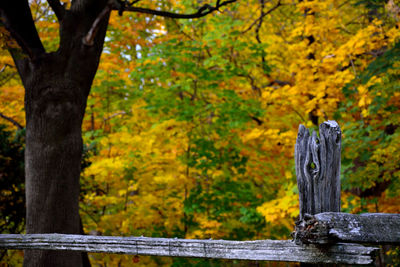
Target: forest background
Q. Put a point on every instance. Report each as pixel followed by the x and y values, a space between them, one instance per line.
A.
pixel 190 125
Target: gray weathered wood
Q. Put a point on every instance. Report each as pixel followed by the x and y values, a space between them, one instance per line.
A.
pixel 268 250
pixel 318 168
pixel 330 227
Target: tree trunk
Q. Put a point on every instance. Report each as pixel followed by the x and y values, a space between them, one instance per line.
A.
pixel 55 106
pixel 56 89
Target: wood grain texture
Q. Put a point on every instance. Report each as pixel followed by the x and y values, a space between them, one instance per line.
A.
pixel 265 250
pixel 318 168
pixel 331 227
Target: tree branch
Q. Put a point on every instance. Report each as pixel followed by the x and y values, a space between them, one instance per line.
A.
pixel 126 6
pixel 114 115
pixel 201 12
pixel 17 18
pixel 19 126
pixel 4 67
pixel 260 21
pixel 263 14
pixel 6 78
pixel 88 39
pixel 18 38
pixel 58 8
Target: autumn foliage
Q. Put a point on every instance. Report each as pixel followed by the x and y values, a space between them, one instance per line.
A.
pixel 191 124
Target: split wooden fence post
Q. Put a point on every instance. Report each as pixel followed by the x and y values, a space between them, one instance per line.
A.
pixel 318 169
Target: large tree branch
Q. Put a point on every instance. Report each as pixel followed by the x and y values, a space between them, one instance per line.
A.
pixel 58 8
pixel 201 12
pixel 126 6
pixel 89 38
pixel 17 18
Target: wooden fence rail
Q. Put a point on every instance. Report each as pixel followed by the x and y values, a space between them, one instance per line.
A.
pixel 265 250
pixel 332 227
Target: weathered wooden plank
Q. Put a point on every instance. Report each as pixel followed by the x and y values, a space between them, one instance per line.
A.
pixel 265 250
pixel 330 227
pixel 318 168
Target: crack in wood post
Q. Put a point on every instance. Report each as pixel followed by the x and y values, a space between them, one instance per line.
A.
pixel 318 169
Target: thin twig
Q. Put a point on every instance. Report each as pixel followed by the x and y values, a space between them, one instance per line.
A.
pixel 182 31
pixel 263 14
pixel 19 126
pixel 4 80
pixel 260 21
pixel 352 65
pixel 4 67
pixel 114 115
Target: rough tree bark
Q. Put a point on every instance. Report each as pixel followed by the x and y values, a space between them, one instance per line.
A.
pixel 56 89
pixel 55 105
